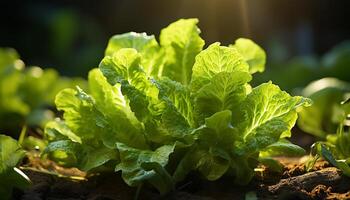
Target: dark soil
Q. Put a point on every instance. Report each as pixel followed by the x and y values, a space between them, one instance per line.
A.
pixel 324 182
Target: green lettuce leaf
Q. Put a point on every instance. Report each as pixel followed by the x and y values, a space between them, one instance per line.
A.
pixel 282 148
pixel 146 45
pixel 84 157
pixel 267 113
pixel 96 157
pixel 65 152
pixel 79 113
pixel 85 134
pixel 11 155
pixel 138 166
pixel 211 154
pixel 213 60
pixel 181 43
pixel 125 67
pixel 58 130
pixel 225 91
pixel 110 102
pixel 253 54
pixel 179 96
pixel 160 117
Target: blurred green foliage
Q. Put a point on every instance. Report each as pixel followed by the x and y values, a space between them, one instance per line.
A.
pixel 324 116
pixel 300 71
pixel 11 154
pixel 27 93
pixel 336 149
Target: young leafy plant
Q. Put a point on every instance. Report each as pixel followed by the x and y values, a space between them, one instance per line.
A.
pixel 27 93
pixel 11 155
pixel 324 116
pixel 336 149
pixel 157 111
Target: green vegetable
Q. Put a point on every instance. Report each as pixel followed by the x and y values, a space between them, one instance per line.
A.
pixel 11 105
pixel 11 155
pixel 336 149
pixel 165 109
pixel 324 116
pixel 181 43
pixel 27 93
pixel 253 54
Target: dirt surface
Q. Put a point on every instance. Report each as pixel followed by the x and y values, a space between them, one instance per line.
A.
pixel 323 182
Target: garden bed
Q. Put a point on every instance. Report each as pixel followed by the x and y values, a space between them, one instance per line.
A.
pixel 323 182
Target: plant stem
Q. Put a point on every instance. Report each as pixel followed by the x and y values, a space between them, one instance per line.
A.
pixel 22 134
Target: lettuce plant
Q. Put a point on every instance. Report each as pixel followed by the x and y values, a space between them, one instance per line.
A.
pixel 157 111
pixel 326 113
pixel 26 93
pixel 11 155
pixel 336 148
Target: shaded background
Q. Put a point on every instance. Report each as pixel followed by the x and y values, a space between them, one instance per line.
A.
pixel 71 35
